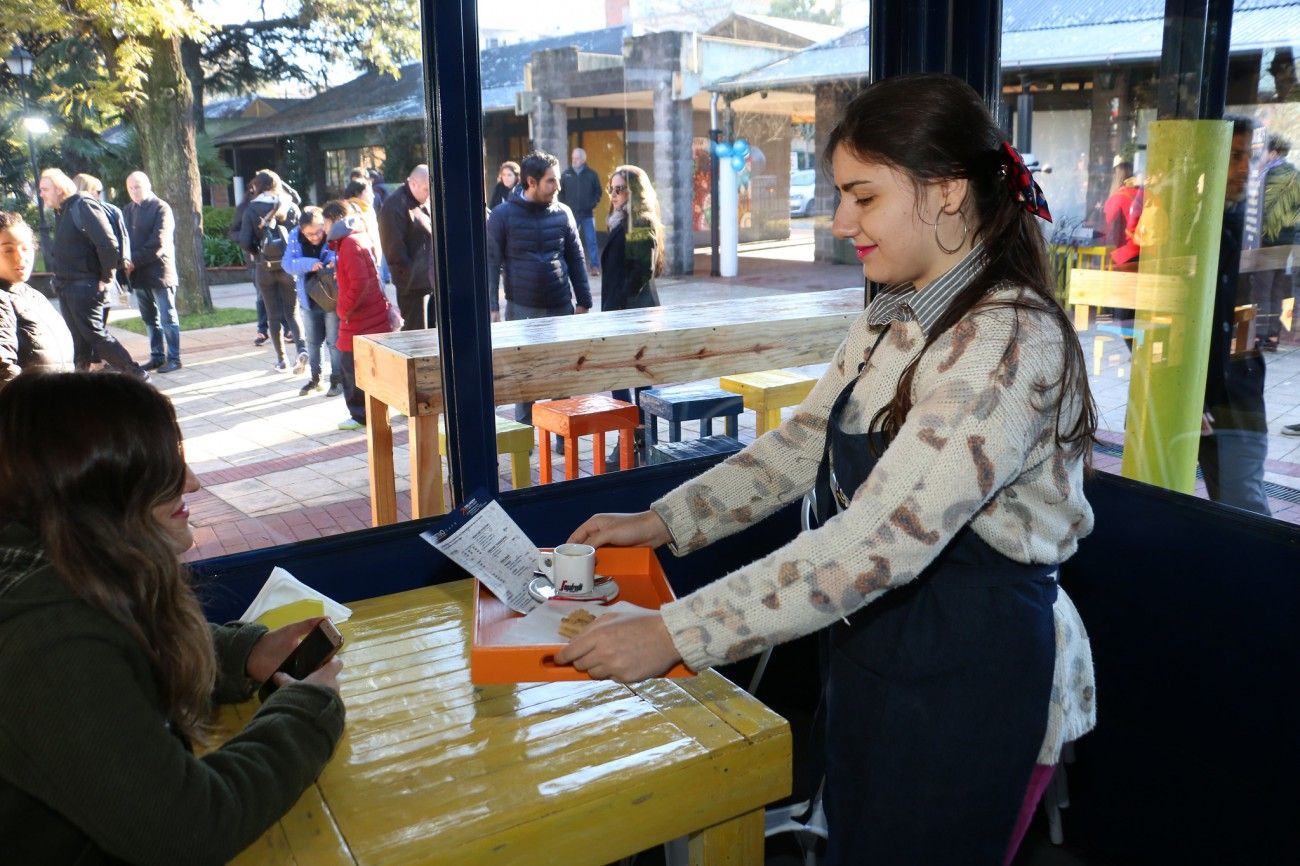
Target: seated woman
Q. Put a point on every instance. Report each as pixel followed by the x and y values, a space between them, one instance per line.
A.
pixel 107 666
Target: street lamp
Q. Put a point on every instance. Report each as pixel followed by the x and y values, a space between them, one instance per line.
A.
pixel 20 62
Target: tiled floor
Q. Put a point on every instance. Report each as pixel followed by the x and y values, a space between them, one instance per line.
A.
pixel 276 469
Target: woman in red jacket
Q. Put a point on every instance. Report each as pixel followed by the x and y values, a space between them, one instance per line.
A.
pixel 361 307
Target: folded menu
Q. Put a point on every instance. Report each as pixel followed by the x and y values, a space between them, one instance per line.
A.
pixel 482 539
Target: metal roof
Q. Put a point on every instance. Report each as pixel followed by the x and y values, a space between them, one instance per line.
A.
pixel 1042 35
pixel 374 98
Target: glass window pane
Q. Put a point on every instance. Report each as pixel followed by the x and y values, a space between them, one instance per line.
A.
pixel 1176 263
pixel 672 90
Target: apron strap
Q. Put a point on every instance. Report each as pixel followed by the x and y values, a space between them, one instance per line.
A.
pixel 818 502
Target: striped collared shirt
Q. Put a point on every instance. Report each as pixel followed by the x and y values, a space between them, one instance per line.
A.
pixel 901 301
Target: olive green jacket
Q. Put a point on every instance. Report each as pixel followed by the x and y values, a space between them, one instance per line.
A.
pixel 90 770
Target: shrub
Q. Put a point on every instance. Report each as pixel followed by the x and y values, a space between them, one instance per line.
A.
pixel 217 221
pixel 221 252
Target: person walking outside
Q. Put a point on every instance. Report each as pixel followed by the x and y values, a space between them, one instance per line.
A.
pixel 630 261
pixel 507 180
pixel 83 257
pixel 151 229
pixel 264 234
pixel 406 234
pixel 362 308
pixel 33 336
pixel 533 238
pixel 307 257
pixel 580 190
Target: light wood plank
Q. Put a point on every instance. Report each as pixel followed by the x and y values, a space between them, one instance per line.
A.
pixel 379 450
pixel 426 466
pixel 738 842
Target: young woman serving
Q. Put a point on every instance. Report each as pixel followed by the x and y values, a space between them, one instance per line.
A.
pixel 945 449
pixel 107 667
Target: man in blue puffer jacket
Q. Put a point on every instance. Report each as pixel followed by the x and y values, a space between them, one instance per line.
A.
pixel 535 239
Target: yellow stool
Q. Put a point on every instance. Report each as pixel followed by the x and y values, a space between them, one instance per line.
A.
pixel 514 439
pixel 768 392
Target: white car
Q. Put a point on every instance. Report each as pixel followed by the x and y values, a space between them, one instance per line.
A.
pixel 803 201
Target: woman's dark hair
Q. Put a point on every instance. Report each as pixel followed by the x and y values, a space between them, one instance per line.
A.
pixel 534 166
pixel 265 181
pixel 356 188
pixel 89 493
pixel 933 128
pixel 334 210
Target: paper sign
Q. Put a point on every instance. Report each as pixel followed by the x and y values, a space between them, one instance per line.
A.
pixel 483 540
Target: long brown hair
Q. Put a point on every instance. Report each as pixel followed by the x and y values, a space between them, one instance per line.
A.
pixel 642 211
pixel 935 127
pixel 84 460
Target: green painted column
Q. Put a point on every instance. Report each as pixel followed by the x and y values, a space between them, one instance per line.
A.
pixel 1186 177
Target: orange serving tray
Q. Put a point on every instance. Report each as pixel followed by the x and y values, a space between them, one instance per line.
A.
pixel 641 581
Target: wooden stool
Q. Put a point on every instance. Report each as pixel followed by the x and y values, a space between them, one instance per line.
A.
pixel 694 402
pixel 577 416
pixel 667 452
pixel 768 392
pixel 514 439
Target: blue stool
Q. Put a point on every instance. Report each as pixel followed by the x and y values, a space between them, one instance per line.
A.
pixel 668 452
pixel 680 403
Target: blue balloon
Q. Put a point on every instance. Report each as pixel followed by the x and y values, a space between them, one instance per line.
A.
pixel 740 146
pixel 737 161
pixel 722 149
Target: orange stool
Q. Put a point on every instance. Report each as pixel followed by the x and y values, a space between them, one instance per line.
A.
pixel 577 416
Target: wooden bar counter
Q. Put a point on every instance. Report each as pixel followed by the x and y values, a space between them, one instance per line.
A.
pixel 434 770
pixel 540 359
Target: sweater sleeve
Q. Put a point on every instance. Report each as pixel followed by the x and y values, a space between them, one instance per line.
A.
pixel 81 736
pixel 233 642
pixel 975 419
pixel 776 469
pixel 497 225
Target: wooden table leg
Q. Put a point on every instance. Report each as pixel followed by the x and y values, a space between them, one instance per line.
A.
pixel 544 475
pixel 598 453
pixel 738 842
pixel 626 448
pixel 426 466
pixel 379 450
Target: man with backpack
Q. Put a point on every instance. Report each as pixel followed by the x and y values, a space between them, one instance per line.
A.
pixel 83 256
pixel 264 234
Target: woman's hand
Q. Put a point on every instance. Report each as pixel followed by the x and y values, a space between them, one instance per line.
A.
pixel 274 647
pixel 326 675
pixel 625 647
pixel 644 529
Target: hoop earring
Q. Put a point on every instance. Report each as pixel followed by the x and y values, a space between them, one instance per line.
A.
pixel 965 229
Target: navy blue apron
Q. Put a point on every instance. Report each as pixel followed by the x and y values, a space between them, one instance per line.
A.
pixel 936 695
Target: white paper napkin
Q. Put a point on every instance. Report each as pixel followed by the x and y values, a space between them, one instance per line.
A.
pixel 282 588
pixel 541 626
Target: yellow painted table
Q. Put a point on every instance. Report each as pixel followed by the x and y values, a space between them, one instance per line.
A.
pixel 540 359
pixel 433 770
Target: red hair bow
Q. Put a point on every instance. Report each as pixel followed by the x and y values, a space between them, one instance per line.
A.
pixel 1020 181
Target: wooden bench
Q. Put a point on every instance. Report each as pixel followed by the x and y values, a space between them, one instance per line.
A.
pixel 538 359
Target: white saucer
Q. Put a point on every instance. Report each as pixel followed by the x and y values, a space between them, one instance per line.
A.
pixel 606 590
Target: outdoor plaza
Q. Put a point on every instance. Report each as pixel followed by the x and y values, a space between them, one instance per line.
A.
pixel 275 469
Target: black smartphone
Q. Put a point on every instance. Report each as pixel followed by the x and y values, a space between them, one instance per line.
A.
pixel 317 648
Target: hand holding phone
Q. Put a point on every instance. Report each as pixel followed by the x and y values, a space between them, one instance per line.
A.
pixel 315 650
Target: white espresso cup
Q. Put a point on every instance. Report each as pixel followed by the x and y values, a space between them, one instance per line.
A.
pixel 571 568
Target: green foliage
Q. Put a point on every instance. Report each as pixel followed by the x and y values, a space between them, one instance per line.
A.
pixel 806 10
pixel 403 145
pixel 217 221
pixel 221 252
pixel 197 321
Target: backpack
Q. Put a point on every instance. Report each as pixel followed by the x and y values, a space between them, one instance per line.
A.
pixel 274 237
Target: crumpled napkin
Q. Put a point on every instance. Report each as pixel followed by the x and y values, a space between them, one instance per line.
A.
pixel 284 599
